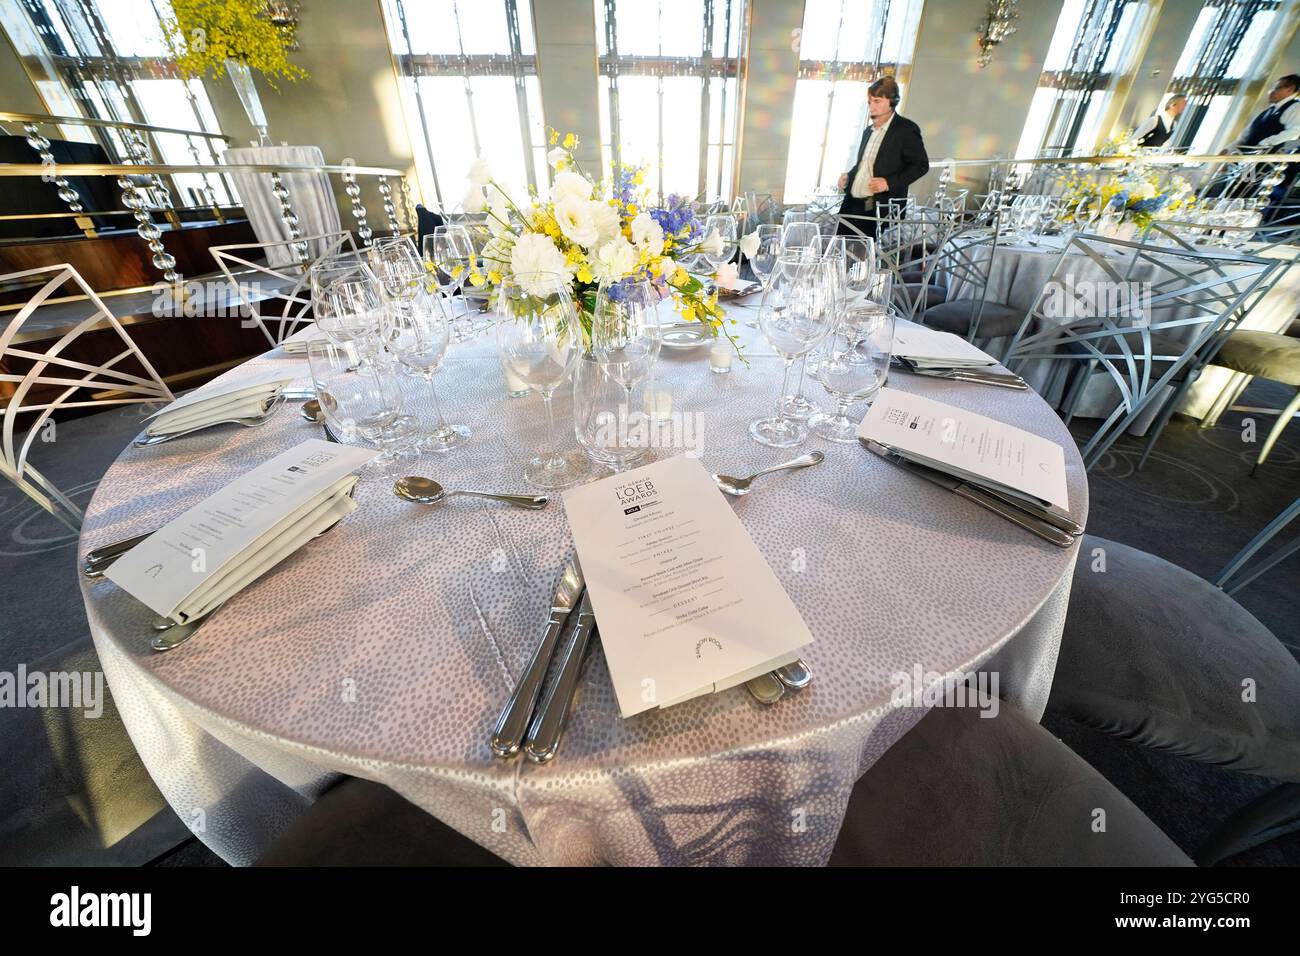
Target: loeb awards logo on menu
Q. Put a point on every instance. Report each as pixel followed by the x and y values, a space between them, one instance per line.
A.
pixel 635 493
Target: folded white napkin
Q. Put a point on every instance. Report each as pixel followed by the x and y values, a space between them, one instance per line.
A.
pixel 192 412
pixel 296 344
pixel 310 519
pixel 931 348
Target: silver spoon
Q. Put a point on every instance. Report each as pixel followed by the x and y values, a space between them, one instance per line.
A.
pixel 740 486
pixel 426 491
pixel 311 411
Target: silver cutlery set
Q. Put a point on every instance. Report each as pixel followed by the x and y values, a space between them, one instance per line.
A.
pixel 961 373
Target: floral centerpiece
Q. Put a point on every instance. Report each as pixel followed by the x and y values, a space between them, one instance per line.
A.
pixel 593 233
pixel 1139 193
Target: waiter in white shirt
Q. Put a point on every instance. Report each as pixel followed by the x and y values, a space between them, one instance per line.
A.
pixel 1159 126
pixel 1276 129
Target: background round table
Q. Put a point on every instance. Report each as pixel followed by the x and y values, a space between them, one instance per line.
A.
pixel 386 648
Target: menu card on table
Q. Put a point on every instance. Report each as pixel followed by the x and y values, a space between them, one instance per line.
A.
pixel 198 560
pixel 930 347
pixel 970 446
pixel 685 603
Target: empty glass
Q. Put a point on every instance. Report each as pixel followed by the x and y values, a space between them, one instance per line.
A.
pixel 799 235
pixel 351 312
pixel 724 224
pixel 359 399
pixel 796 314
pixel 853 367
pixel 625 330
pixel 607 418
pixel 417 333
pixel 764 260
pixel 450 253
pixel 539 340
pixel 350 325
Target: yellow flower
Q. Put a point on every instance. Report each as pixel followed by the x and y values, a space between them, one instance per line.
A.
pixel 688 313
pixel 555 136
pixel 679 277
pixel 476 278
pixel 456 271
pixel 570 141
pixel 494 277
pixel 631 209
pixel 584 273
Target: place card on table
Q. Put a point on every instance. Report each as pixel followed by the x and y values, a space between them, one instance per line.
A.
pixel 931 348
pixel 244 399
pixel 198 560
pixel 972 447
pixel 685 603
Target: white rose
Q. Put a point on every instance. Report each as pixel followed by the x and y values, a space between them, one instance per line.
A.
pixel 728 276
pixel 648 233
pixel 568 185
pixel 712 244
pixel 575 219
pixel 533 257
pixel 474 201
pixel 557 156
pixel 749 245
pixel 479 173
pixel 608 224
pixel 615 259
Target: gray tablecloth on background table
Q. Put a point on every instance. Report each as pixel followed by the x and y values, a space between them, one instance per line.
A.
pixel 1019 273
pixel 310 195
pixel 386 648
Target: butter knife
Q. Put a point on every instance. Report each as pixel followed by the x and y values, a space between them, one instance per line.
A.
pixel 980 497
pixel 511 726
pixel 548 725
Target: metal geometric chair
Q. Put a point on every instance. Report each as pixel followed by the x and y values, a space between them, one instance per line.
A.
pixel 908 250
pixel 1155 320
pixel 110 382
pixel 965 265
pixel 283 307
pixel 1271 530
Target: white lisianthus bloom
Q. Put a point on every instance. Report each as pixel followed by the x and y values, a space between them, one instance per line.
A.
pixel 615 259
pixel 608 225
pixel 474 201
pixel 533 256
pixel 574 217
pixel 749 245
pixel 557 156
pixel 728 276
pixel 648 233
pixel 479 172
pixel 712 244
pixel 567 184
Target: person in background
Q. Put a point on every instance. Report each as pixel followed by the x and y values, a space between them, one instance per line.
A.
pixel 891 157
pixel 1280 122
pixel 1159 126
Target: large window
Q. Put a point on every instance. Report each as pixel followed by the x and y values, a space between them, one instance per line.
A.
pixel 844 46
pixel 110 61
pixel 670 75
pixel 469 88
pixel 1096 42
pixel 1229 39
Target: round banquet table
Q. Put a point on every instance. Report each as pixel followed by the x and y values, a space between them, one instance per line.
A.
pixel 386 648
pixel 1020 270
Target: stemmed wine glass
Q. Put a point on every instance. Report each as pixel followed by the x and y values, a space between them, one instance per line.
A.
pixel 799 235
pixel 359 399
pixel 539 339
pixel 854 366
pixel 625 330
pixel 418 334
pixel 796 314
pixel 797 405
pixel 724 224
pixel 764 260
pixel 450 251
pixel 352 315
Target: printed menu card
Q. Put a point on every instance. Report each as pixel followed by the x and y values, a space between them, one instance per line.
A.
pixel 685 603
pixel 969 446
pixel 194 562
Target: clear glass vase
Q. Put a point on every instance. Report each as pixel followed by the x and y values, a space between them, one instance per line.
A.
pixel 242 78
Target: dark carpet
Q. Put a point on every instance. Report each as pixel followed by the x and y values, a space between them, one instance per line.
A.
pixel 73 790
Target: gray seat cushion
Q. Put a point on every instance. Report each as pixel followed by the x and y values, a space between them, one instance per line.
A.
pixel 1156 655
pixel 1269 355
pixel 362 823
pixel 996 320
pixel 932 293
pixel 961 789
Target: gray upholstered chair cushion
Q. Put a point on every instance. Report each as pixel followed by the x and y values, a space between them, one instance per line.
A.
pixel 1269 355
pixel 996 320
pixel 961 789
pixel 362 823
pixel 1156 655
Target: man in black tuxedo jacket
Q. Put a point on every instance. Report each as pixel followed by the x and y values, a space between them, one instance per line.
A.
pixel 890 158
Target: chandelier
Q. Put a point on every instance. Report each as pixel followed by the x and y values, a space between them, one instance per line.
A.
pixel 999 23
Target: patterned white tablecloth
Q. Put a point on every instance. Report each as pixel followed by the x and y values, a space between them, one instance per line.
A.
pixel 386 648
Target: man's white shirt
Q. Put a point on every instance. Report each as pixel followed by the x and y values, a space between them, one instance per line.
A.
pixel 860 188
pixel 1290 109
pixel 1150 123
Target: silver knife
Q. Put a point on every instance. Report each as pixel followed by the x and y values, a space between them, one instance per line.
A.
pixel 1000 379
pixel 980 497
pixel 548 724
pixel 1043 510
pixel 98 559
pixel 508 735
